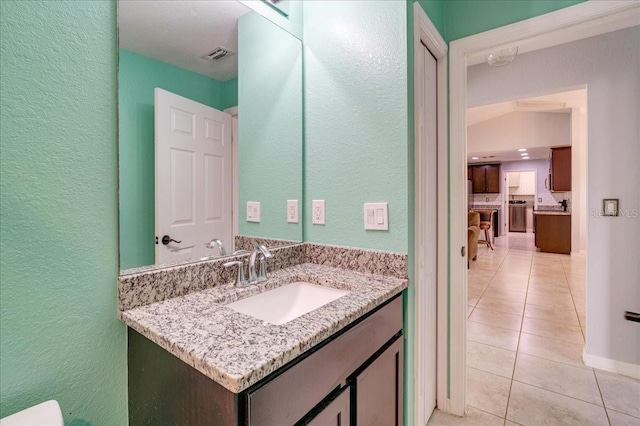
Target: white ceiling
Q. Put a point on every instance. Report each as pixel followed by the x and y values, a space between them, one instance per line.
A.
pixel 180 32
pixel 557 102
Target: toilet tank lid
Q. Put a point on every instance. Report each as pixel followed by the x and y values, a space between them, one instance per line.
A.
pixel 45 414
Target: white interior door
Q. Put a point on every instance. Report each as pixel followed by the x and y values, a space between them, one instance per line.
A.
pixel 193 177
pixel 427 179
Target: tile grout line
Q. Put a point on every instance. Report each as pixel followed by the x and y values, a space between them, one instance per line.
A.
pixel 515 361
pixel 606 412
pixel 583 327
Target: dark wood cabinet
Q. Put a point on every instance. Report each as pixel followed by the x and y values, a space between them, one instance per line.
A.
pixel 560 169
pixel 358 366
pixel 378 390
pixel 485 178
pixel 337 413
pixel 553 233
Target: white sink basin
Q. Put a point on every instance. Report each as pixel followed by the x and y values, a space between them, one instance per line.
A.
pixel 286 303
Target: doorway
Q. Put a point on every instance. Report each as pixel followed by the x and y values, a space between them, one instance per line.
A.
pixel 544 31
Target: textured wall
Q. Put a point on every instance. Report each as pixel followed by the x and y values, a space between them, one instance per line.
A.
pixel 467 17
pixel 270 126
pixel 608 65
pixel 356 119
pixel 138 76
pixel 60 337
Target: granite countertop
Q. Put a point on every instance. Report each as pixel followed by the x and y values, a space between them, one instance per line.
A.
pixel 551 212
pixel 237 350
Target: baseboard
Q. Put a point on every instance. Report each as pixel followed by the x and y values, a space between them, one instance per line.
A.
pixel 611 365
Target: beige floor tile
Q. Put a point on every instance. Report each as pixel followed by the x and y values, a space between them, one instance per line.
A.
pixel 487 391
pixel 559 315
pixel 469 310
pixel 493 360
pixel 553 330
pixel 564 301
pixel 529 405
pixel 567 380
pixel 491 335
pixel 473 417
pixel 507 286
pixel 535 287
pixel 513 296
pixel 620 393
pixel 510 423
pixel 501 305
pixel 619 419
pixel 499 319
pixel 551 349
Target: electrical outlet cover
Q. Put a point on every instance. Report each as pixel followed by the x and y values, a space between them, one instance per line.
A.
pixel 253 211
pixel 292 211
pixel 317 212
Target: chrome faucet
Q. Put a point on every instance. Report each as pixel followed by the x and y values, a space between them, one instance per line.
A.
pixel 240 280
pixel 261 254
pixel 217 245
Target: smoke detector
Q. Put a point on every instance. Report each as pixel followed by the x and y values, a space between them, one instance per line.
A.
pixel 218 53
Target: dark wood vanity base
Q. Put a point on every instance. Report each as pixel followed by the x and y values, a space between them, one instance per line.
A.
pixel 353 375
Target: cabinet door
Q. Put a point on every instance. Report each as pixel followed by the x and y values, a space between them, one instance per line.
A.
pixel 334 414
pixel 478 182
pixel 492 179
pixel 379 390
pixel 561 169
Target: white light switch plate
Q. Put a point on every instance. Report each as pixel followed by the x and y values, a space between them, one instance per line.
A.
pixel 317 212
pixel 253 211
pixel 292 211
pixel 376 216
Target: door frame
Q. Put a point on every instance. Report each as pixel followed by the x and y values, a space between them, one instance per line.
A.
pixel 235 209
pixel 424 32
pixel 573 23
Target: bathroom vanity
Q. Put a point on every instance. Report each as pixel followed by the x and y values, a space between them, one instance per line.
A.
pixel 192 360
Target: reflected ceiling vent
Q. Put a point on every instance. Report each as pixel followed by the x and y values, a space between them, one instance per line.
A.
pixel 218 53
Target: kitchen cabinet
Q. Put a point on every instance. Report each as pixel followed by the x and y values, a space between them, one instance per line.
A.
pixel 361 364
pixel 560 169
pixel 485 179
pixel 553 232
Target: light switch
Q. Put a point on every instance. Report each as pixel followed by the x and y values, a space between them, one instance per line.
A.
pixel 317 212
pixel 292 211
pixel 376 216
pixel 253 211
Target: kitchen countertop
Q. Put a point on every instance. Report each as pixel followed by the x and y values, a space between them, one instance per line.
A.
pixel 550 212
pixel 237 350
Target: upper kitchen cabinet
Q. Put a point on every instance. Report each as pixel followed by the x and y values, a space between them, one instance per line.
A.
pixel 560 169
pixel 485 178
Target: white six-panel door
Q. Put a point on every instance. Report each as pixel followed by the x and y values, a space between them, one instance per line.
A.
pixel 193 177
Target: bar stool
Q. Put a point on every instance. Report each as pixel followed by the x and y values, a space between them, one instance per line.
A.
pixel 485 224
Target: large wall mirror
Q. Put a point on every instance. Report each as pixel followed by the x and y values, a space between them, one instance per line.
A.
pixel 210 131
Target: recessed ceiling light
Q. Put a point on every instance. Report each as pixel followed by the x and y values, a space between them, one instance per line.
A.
pixel 474 158
pixel 525 158
pixel 522 149
pixel 523 154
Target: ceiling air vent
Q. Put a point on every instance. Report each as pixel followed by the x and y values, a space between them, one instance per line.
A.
pixel 218 53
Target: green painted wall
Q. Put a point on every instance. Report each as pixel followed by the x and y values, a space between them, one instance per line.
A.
pixel 467 17
pixel 60 337
pixel 138 76
pixel 269 126
pixel 356 119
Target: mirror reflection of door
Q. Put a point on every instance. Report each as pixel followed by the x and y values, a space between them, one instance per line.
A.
pixel 194 177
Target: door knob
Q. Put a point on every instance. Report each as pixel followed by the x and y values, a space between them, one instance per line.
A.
pixel 167 239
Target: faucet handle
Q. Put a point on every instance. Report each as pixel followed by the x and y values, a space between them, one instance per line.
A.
pixel 240 280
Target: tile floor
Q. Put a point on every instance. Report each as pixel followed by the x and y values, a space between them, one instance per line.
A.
pixel 525 335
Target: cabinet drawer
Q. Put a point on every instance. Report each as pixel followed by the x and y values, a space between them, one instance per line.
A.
pixel 290 395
